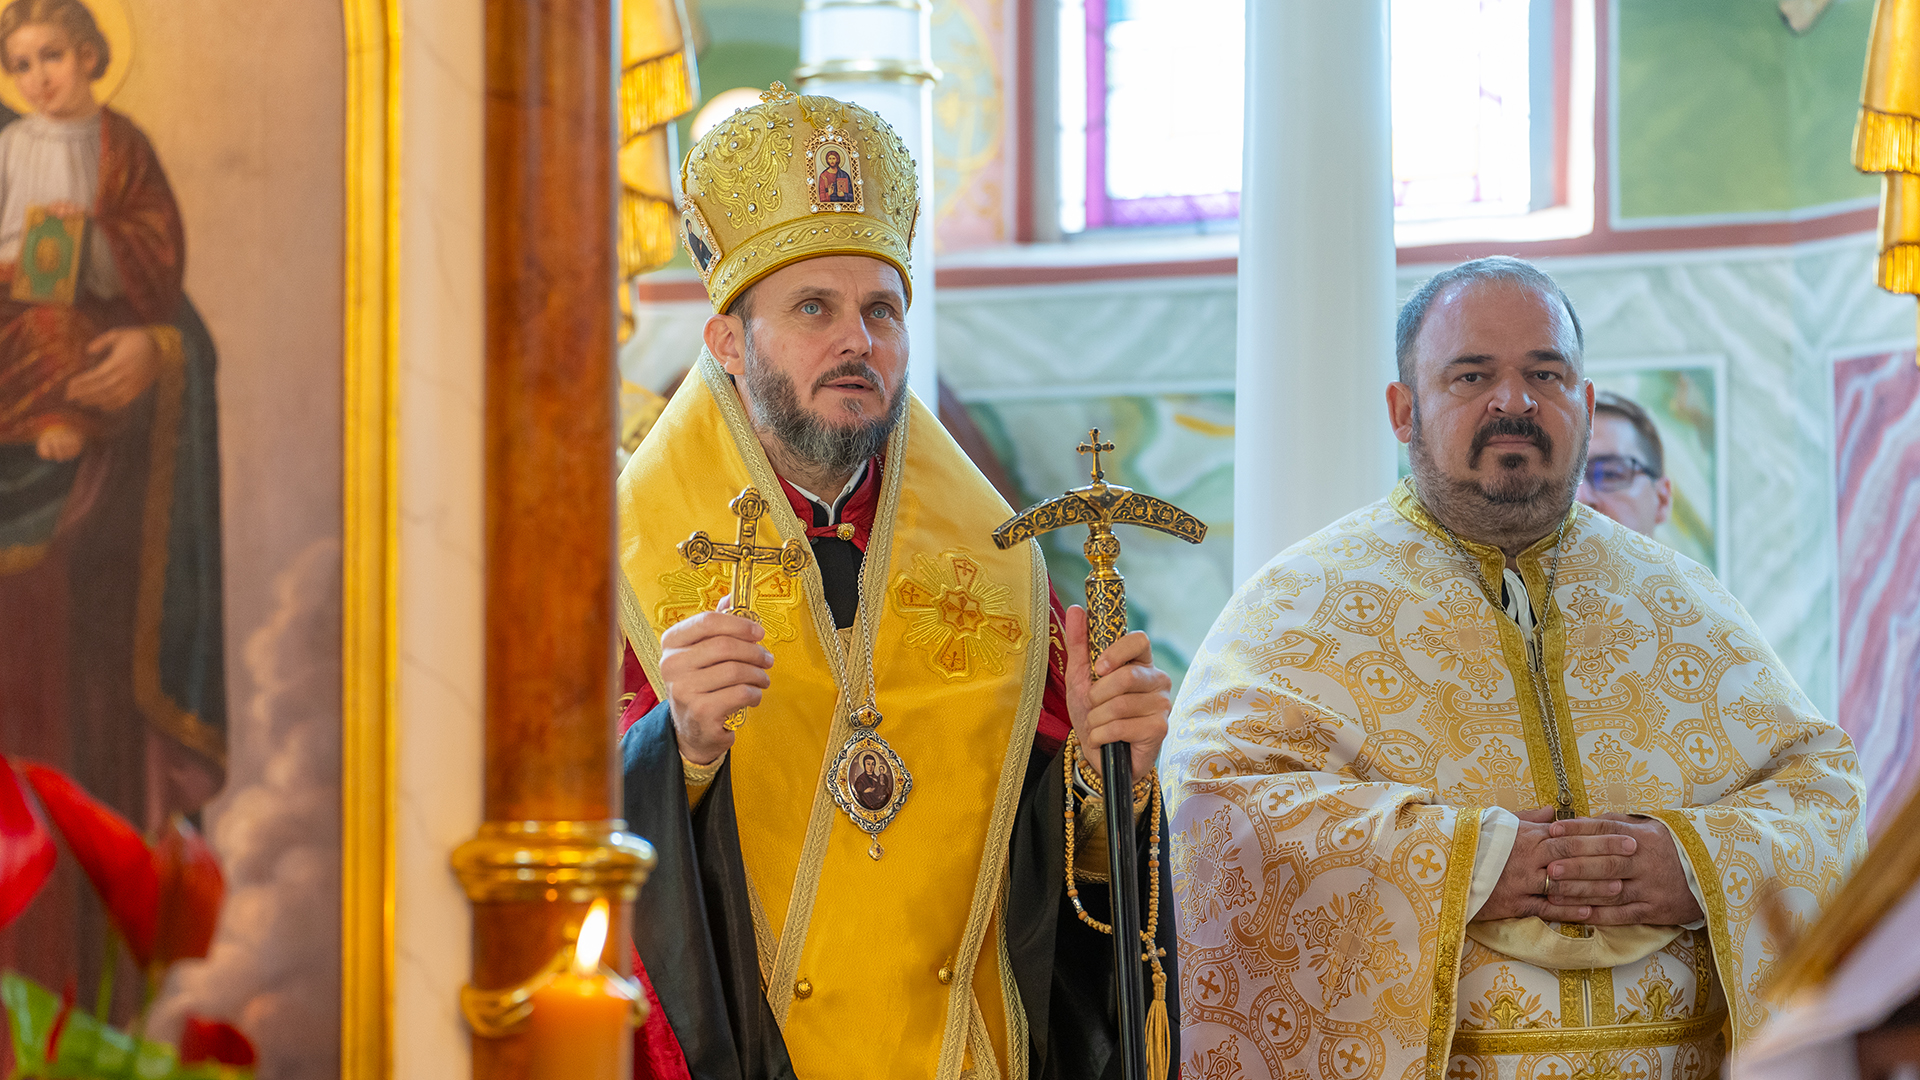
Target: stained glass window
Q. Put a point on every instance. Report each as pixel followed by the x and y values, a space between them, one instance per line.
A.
pixel 1152 99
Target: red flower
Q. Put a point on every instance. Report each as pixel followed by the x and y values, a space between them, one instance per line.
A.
pixel 110 850
pixel 191 889
pixel 26 848
pixel 214 1040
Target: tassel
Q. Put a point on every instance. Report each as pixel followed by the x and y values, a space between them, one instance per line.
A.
pixel 1159 1037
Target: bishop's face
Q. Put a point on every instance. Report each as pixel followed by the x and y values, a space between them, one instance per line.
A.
pixel 1497 419
pixel 818 350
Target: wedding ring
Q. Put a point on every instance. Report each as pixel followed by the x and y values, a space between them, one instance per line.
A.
pixel 1548 887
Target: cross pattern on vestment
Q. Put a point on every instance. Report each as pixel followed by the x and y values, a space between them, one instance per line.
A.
pixel 1673 600
pixel 1553 1072
pixel 1210 984
pixel 1686 673
pixel 1354 1061
pixel 1638 1072
pixel 1094 446
pixel 1277 1022
pixel 1701 749
pixel 745 555
pixel 1428 865
pixel 1460 1071
pixel 1382 682
pixel 1359 606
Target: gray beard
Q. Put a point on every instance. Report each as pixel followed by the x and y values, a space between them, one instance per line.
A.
pixel 835 449
pixel 1508 509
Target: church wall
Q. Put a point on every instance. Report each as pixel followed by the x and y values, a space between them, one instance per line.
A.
pixel 1153 361
pixel 1724 113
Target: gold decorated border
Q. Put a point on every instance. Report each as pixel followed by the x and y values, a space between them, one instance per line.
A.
pixel 1453 931
pixel 1719 927
pixel 370 539
pixel 1583 1040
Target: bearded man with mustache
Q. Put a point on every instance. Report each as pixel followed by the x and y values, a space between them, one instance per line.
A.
pixel 1477 783
pixel 857 795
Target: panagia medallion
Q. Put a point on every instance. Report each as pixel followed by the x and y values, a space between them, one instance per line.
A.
pixel 868 780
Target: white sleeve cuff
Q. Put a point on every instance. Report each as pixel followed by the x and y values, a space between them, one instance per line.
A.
pixel 1693 881
pixel 1498 829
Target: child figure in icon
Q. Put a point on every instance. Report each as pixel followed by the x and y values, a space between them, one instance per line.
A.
pixel 836 186
pixel 71 160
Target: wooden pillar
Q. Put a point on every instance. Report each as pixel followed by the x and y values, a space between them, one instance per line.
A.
pixel 551 843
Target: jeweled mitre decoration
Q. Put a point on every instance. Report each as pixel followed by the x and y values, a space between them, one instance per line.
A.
pixel 795 177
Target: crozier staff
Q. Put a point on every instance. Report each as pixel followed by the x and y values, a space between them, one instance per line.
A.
pixel 866 879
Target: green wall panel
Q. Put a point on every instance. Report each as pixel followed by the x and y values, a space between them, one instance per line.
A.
pixel 1723 110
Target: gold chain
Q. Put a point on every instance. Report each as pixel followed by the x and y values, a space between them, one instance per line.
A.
pixel 1071 758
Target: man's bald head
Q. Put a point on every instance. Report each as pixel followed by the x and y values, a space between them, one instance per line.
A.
pixel 1494 268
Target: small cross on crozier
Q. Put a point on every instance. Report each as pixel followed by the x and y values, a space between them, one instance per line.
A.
pixel 1094 446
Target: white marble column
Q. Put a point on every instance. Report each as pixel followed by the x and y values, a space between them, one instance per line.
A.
pixel 1316 293
pixel 879 54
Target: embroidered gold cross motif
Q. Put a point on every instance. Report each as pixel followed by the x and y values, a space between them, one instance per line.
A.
pixel 963 622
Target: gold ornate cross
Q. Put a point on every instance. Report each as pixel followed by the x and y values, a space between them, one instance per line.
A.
pixel 1094 446
pixel 745 555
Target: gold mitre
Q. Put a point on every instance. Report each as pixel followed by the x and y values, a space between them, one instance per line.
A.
pixel 795 177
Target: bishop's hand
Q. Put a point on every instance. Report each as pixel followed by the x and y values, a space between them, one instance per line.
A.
pixel 1128 703
pixel 713 664
pixel 1597 862
pixel 1652 887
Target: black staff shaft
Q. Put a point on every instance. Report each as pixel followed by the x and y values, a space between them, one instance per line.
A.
pixel 1123 883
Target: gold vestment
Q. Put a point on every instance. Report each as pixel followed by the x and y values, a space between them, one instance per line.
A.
pixel 1355 711
pixel 895 966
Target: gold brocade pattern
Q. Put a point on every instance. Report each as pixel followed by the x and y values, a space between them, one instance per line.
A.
pixel 1338 736
pixel 820 901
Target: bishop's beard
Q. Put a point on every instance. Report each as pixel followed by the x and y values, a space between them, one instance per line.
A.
pixel 834 449
pixel 1508 506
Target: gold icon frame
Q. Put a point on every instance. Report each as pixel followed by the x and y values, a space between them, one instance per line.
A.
pixel 371 521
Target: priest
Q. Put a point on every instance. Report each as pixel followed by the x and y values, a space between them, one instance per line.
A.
pixel 876 802
pixel 1476 783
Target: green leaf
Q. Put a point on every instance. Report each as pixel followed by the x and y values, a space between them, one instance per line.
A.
pixel 89 1049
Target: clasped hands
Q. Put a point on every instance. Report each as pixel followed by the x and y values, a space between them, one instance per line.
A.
pixel 1610 870
pixel 713 664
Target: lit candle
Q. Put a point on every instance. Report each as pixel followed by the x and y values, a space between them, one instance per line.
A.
pixel 579 1026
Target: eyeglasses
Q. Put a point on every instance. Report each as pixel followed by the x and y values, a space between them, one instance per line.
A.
pixel 1615 472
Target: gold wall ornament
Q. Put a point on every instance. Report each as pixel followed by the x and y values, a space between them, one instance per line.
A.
pixel 1886 139
pixel 658 82
pixel 789 559
pixel 1143 1031
pixel 555 861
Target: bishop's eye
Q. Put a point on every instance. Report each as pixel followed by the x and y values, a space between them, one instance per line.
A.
pixel 880 311
pixel 811 307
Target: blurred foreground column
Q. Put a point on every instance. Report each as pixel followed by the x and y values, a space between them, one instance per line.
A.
pixel 550 844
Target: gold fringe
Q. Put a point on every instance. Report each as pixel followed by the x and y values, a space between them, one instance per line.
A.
pixel 1159 1037
pixel 653 93
pixel 1886 142
pixel 646 233
pixel 1900 268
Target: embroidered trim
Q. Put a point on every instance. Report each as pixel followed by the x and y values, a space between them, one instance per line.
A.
pixel 1453 932
pixel 1718 928
pixel 1576 1040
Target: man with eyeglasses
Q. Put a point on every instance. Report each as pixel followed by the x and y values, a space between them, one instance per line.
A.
pixel 1626 471
pixel 1477 783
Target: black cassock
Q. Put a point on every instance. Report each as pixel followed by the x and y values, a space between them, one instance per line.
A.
pixel 693 927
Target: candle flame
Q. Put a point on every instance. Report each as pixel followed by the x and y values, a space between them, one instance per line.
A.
pixel 593 939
